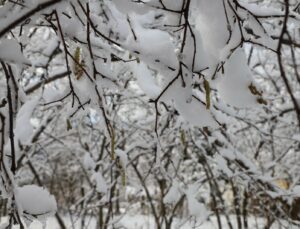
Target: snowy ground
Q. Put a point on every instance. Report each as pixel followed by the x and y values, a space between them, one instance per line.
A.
pixel 146 222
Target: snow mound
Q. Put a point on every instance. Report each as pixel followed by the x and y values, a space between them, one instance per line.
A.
pixel 35 200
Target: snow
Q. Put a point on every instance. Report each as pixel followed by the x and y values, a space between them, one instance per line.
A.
pixel 35 200
pixel 212 29
pixel 123 157
pixel 222 165
pixel 10 51
pixel 145 80
pixel 127 6
pixel 88 162
pixel 196 208
pixel 71 27
pixel 261 10
pixel 100 182
pixel 193 111
pixel 201 61
pixel 296 190
pixel 173 194
pixel 159 56
pixel 140 221
pixel 24 128
pixel 233 85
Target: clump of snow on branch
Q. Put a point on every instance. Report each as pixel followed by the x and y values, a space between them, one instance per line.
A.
pixel 34 200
